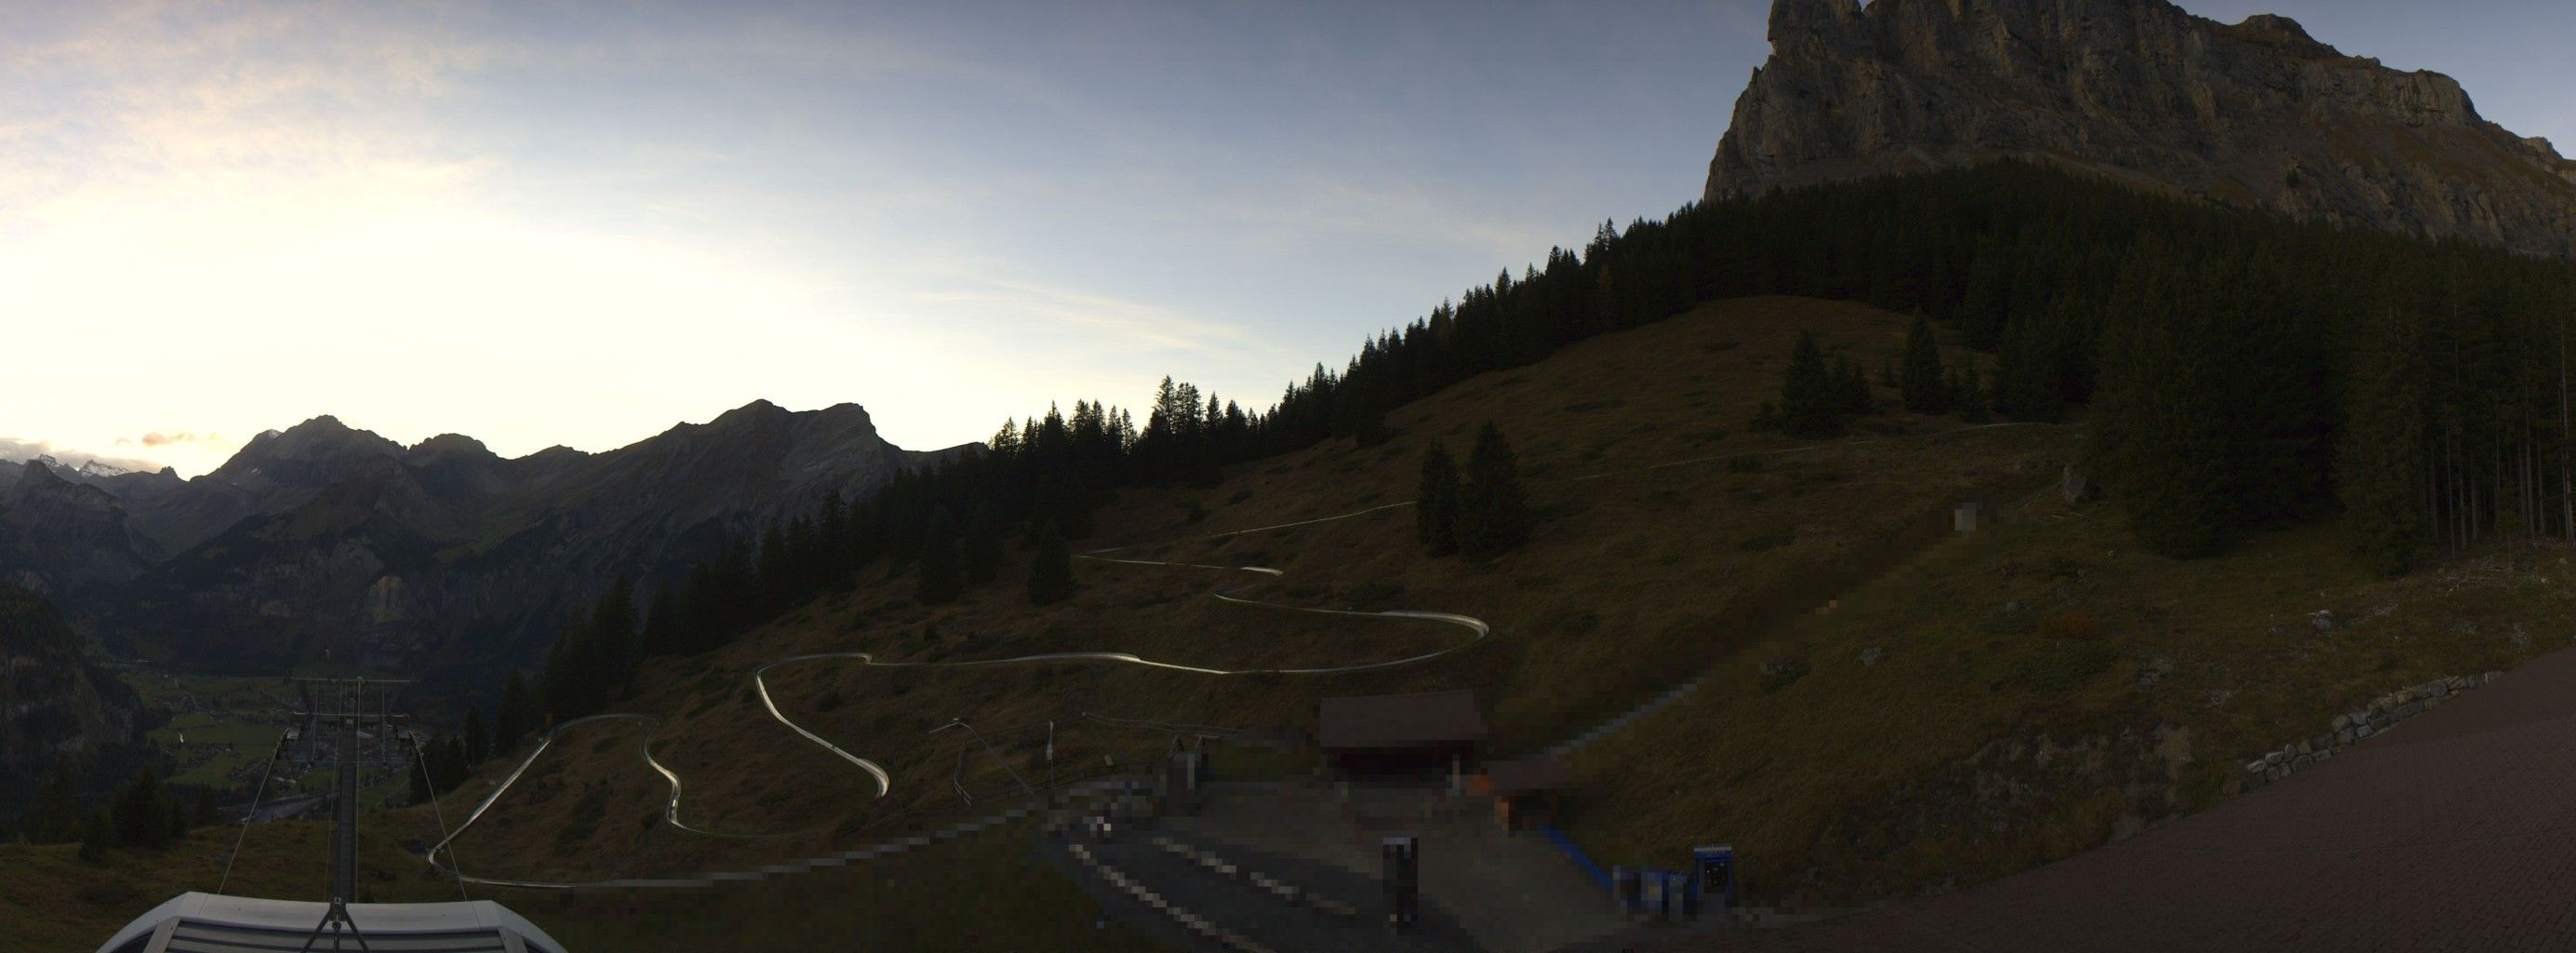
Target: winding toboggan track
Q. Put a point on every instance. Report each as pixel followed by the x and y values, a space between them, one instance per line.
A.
pixel 1478 631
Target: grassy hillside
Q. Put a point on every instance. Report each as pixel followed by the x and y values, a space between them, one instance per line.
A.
pixel 2034 689
pixel 1669 540
pixel 1992 733
pixel 51 900
pixel 1634 580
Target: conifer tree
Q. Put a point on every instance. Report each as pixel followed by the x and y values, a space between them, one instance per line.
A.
pixel 419 779
pixel 660 634
pixel 569 680
pixel 981 548
pixel 53 815
pixel 1809 404
pixel 142 812
pixel 478 740
pixel 517 715
pixel 1050 567
pixel 832 543
pixel 206 813
pixel 1365 420
pixel 2380 462
pixel 2160 437
pixel 772 579
pixel 1851 389
pixel 1927 390
pixel 451 761
pixel 1435 508
pixel 702 622
pixel 612 626
pixel 939 576
pixel 1983 312
pixel 98 833
pixel 1064 500
pixel 2026 372
pixel 1493 516
pixel 1969 394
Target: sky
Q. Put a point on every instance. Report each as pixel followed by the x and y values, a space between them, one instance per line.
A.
pixel 565 223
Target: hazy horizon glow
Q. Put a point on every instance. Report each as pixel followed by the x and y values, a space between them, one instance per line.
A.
pixel 581 225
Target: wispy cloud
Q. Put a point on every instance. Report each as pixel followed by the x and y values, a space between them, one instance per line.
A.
pixel 159 439
pixel 1114 322
pixel 1313 210
pixel 218 96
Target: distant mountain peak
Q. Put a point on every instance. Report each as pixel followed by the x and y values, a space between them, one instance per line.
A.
pixel 451 443
pixel 321 423
pixel 760 409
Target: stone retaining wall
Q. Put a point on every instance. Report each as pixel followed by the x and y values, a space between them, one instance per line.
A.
pixel 2352 727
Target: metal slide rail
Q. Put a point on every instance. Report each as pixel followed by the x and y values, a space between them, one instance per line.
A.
pixel 884 781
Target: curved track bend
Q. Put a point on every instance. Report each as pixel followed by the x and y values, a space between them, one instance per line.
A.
pixel 884 781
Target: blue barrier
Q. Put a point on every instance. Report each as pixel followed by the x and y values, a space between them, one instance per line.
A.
pixel 1566 844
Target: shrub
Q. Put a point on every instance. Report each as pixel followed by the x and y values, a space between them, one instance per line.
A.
pixel 2065 664
pixel 2068 625
pixel 1779 671
pixel 1766 542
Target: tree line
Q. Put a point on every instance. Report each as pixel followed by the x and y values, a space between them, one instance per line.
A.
pixel 144 812
pixel 2244 370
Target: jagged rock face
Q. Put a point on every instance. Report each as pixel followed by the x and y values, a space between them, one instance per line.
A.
pixel 62 536
pixel 53 702
pixel 274 472
pixel 2256 114
pixel 130 487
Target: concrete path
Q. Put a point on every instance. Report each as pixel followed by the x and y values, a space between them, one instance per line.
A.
pixel 2453 831
pixel 1256 918
pixel 1514 894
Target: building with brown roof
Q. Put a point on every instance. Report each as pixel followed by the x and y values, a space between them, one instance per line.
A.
pixel 1421 735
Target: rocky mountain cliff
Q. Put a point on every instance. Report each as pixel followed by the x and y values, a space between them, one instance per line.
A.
pixel 56 534
pixel 323 541
pixel 53 702
pixel 2255 113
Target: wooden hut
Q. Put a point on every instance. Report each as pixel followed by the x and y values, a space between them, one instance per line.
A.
pixel 1422 736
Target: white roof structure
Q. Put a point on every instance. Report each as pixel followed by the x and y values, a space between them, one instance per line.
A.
pixel 195 922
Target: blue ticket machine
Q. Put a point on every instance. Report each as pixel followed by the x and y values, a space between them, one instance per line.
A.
pixel 1713 868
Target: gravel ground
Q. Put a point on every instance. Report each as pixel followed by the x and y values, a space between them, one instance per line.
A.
pixel 2453 831
pixel 1280 924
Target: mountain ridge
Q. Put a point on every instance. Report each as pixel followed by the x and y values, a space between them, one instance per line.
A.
pixel 2256 113
pixel 439 554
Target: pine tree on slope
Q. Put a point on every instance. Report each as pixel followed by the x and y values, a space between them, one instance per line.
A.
pixel 1435 509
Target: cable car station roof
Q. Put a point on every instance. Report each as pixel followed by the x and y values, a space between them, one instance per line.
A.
pixel 207 923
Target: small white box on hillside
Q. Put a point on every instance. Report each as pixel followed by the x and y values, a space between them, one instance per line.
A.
pixel 1970 517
